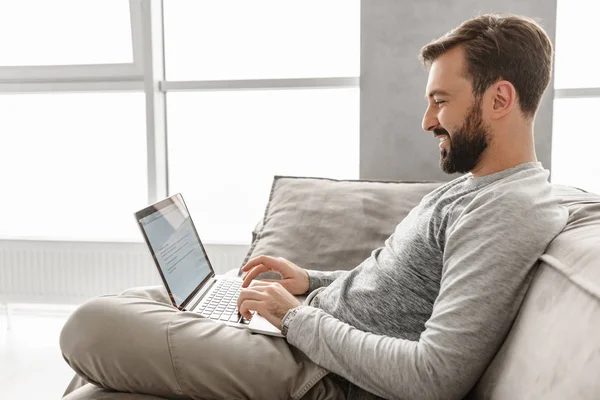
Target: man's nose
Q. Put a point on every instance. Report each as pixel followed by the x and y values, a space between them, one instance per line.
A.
pixel 430 120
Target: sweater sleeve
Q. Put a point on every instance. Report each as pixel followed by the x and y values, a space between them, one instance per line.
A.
pixel 317 279
pixel 489 259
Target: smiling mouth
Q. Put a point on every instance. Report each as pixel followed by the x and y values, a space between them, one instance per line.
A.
pixel 443 139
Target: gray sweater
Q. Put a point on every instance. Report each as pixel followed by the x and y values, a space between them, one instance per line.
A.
pixel 424 315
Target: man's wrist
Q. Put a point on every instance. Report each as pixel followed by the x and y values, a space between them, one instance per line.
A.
pixel 288 317
pixel 307 276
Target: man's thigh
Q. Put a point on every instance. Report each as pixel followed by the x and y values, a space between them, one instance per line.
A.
pixel 133 343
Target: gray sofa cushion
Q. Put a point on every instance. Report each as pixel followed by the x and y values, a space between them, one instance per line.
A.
pixel 327 224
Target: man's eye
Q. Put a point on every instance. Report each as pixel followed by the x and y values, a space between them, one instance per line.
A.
pixel 438 102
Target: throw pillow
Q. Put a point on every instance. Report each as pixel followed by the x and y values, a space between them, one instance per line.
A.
pixel 329 224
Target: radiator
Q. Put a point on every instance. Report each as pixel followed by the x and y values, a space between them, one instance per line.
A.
pixel 60 272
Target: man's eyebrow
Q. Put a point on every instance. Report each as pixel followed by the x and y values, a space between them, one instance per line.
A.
pixel 437 92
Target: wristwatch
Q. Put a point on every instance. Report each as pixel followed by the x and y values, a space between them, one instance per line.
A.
pixel 288 317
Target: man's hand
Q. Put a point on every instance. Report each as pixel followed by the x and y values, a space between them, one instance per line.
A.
pixel 293 278
pixel 269 299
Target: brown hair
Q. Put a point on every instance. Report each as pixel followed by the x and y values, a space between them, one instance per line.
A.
pixel 513 48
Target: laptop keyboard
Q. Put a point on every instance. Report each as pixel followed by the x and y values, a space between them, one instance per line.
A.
pixel 221 303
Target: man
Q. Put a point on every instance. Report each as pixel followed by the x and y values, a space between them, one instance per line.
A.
pixel 425 314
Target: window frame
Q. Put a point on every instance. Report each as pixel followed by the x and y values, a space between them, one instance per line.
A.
pixel 85 73
pixel 146 73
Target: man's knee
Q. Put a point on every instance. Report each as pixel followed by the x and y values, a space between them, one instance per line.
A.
pixel 82 335
pixel 111 334
pixel 81 331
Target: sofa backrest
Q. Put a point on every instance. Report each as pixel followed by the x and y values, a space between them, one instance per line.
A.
pixel 553 348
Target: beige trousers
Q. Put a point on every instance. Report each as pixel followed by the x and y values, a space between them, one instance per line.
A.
pixel 138 342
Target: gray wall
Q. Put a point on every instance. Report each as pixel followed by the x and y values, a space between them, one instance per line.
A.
pixel 392 144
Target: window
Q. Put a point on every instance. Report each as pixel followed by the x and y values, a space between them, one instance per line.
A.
pixel 225 147
pixel 577 57
pixel 74 165
pixel 575 138
pixel 65 32
pixel 268 39
pixel 74 132
pixel 575 144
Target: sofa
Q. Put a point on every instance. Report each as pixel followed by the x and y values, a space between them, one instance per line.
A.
pixel 553 348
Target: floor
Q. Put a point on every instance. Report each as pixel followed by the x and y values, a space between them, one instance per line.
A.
pixel 31 365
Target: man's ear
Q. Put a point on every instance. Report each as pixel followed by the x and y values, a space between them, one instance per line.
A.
pixel 504 97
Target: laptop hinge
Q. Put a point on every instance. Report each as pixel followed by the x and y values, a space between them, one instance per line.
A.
pixel 198 298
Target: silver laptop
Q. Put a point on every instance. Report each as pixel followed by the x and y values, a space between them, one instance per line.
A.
pixel 186 270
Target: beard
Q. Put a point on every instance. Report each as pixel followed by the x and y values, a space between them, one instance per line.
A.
pixel 466 145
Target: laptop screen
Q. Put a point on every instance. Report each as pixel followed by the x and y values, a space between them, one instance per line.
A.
pixel 175 246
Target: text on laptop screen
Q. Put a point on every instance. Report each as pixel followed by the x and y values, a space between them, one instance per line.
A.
pixel 176 247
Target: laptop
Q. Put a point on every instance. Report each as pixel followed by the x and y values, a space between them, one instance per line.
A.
pixel 186 271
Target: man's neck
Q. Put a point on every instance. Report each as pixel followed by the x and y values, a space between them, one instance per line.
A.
pixel 513 145
pixel 501 156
